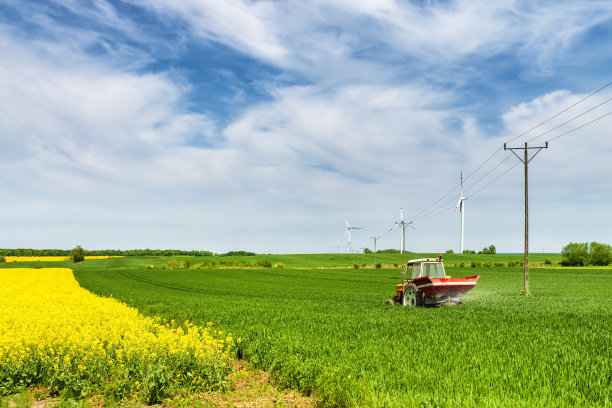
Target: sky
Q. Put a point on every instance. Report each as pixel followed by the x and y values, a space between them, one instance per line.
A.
pixel 261 125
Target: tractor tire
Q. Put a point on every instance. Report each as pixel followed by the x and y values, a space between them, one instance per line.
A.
pixel 410 295
pixel 390 302
pixel 420 298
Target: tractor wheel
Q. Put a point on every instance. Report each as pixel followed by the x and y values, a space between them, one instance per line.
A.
pixel 410 292
pixel 390 302
pixel 420 298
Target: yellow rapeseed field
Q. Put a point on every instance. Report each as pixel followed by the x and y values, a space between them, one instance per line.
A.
pixel 53 333
pixel 53 258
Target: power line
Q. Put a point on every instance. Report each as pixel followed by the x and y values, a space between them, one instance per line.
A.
pixel 571 120
pixel 494 180
pixel 491 171
pixel 581 126
pixel 563 111
pixel 425 213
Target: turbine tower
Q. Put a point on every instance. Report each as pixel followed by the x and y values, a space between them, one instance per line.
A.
pixel 374 239
pixel 461 207
pixel 403 224
pixel 348 231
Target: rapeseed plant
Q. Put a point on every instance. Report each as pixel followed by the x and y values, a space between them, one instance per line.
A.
pixel 53 333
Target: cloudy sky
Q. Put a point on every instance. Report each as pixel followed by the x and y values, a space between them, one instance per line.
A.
pixel 260 125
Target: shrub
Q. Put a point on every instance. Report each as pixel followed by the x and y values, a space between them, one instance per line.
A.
pixel 378 266
pixel 450 251
pixel 547 262
pixel 172 264
pixel 395 265
pixel 499 264
pixel 265 263
pixel 279 265
pixel 186 264
pixel 575 254
pixel 475 264
pixel 487 264
pixel 2 259
pixel 600 254
pixel 149 266
pixel 355 266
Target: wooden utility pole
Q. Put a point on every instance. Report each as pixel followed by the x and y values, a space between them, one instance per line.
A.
pixel 526 159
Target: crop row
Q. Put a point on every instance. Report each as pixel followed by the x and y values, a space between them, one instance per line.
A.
pixel 328 332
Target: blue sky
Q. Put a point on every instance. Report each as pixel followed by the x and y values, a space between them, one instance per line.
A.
pixel 259 125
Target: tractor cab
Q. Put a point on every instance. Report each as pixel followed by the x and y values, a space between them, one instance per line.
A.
pixel 417 268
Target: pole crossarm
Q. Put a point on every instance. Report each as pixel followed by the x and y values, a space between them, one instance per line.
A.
pixel 537 148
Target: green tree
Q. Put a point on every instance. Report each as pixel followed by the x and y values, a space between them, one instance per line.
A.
pixel 367 250
pixel 600 254
pixel 575 254
pixel 77 254
pixel 492 250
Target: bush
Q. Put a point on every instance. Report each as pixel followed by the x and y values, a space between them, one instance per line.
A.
pixel 378 266
pixel 172 264
pixel 469 251
pixel 279 265
pixel 450 251
pixel 367 251
pixel 462 265
pixel 186 263
pixel 475 264
pixel 2 259
pixel 575 254
pixel 355 266
pixel 77 254
pixel 265 263
pixel 547 262
pixel 149 266
pixel 600 254
pixel 388 251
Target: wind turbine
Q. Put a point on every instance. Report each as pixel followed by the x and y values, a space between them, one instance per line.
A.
pixel 348 231
pixel 403 224
pixel 461 207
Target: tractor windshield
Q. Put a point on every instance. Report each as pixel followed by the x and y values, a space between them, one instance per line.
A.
pixel 416 270
pixel 433 270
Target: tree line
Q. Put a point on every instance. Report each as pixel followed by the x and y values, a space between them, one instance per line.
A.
pixel 585 253
pixel 102 252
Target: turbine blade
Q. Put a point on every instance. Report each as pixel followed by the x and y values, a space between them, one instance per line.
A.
pixel 346 221
pixel 458 204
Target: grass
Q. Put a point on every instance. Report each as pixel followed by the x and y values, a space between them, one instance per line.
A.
pixel 329 333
